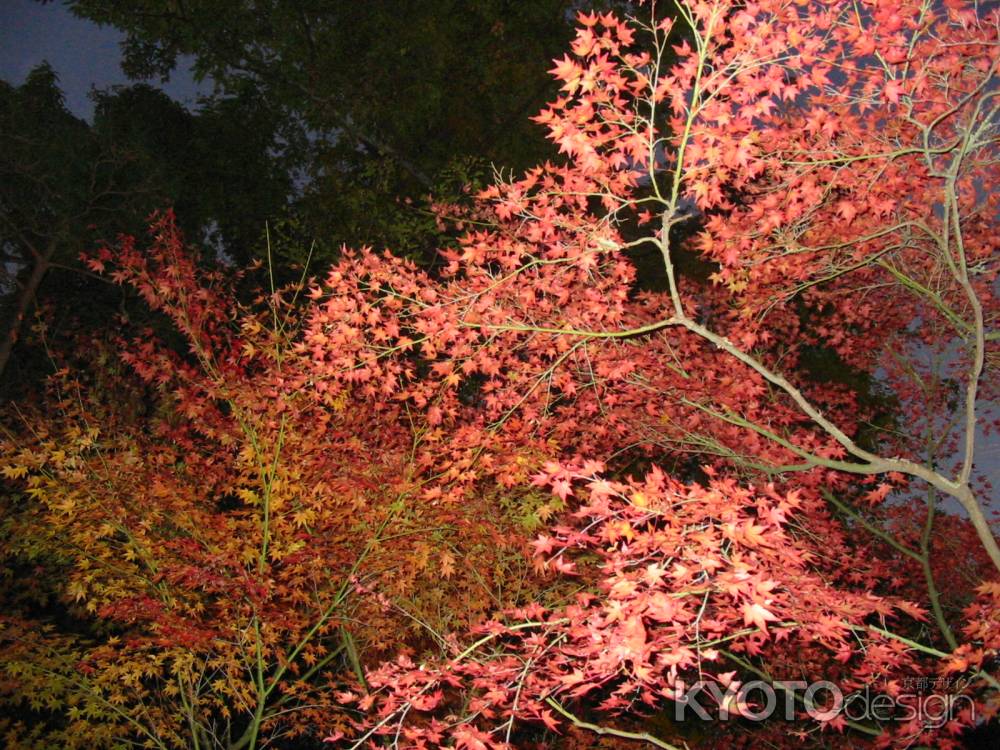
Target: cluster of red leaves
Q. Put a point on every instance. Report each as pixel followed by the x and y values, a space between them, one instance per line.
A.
pixel 526 349
pixel 682 583
pixel 872 118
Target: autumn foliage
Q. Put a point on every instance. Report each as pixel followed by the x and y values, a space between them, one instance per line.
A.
pixel 527 496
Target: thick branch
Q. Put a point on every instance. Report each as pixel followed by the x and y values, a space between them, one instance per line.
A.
pixel 25 300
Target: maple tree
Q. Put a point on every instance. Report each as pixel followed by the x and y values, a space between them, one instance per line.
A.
pixel 214 528
pixel 839 158
pixel 714 508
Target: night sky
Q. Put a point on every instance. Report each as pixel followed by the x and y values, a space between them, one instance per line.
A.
pixel 83 54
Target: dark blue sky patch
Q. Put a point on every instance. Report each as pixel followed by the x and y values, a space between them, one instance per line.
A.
pixel 83 54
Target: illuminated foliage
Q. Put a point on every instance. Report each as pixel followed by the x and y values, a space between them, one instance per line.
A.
pixel 302 478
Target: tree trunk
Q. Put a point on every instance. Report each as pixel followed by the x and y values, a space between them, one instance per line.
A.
pixel 25 300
